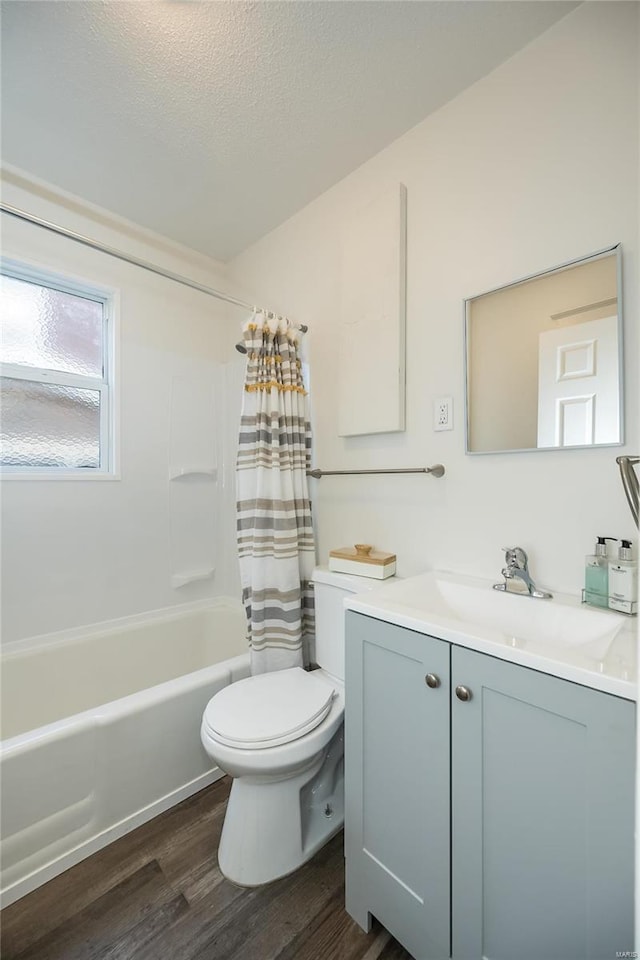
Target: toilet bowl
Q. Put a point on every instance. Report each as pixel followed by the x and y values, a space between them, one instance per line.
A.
pixel 286 800
pixel 280 736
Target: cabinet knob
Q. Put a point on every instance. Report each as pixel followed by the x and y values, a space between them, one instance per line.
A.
pixel 432 680
pixel 463 693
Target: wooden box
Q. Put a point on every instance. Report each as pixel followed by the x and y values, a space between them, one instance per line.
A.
pixel 363 561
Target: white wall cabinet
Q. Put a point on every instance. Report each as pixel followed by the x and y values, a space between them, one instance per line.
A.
pixel 495 826
pixel 371 355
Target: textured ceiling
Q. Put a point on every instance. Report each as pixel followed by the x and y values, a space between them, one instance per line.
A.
pixel 214 122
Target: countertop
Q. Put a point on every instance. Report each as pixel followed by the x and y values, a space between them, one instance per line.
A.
pixel 615 672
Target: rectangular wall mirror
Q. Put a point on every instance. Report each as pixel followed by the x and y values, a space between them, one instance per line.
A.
pixel 544 360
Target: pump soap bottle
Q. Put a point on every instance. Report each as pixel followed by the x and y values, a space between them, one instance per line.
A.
pixel 596 575
pixel 623 581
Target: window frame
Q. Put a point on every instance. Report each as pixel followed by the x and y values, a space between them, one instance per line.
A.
pixel 105 385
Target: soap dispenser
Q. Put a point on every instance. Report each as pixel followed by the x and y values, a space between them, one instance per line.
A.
pixel 623 580
pixel 596 575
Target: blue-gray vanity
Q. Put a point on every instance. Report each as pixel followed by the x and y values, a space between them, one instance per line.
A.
pixel 489 772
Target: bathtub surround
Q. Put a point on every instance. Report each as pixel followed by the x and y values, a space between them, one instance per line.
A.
pixel 94 550
pixel 275 534
pixel 534 165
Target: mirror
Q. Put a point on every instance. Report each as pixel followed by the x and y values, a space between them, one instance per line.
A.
pixel 544 360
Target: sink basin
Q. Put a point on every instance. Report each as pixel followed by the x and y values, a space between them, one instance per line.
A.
pixel 472 605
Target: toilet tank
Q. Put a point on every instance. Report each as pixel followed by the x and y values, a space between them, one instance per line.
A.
pixel 330 591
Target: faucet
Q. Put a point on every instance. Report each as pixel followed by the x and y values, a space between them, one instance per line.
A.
pixel 517 569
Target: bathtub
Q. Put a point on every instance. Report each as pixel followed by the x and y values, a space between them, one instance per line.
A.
pixel 101 731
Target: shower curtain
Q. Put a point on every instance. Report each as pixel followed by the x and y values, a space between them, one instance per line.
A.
pixel 274 530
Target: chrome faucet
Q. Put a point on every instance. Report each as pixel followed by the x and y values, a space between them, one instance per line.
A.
pixel 517 570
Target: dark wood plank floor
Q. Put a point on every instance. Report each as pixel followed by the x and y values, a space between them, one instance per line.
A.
pixel 158 893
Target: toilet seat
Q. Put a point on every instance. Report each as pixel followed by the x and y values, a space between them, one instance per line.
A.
pixel 269 710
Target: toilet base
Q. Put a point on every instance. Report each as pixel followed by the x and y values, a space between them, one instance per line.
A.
pixel 272 826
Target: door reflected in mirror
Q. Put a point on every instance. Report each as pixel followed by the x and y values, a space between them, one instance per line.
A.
pixel 544 360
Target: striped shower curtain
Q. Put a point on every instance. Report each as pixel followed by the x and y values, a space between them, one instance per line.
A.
pixel 275 535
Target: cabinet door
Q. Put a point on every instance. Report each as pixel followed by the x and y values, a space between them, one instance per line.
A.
pixel 397 779
pixel 543 788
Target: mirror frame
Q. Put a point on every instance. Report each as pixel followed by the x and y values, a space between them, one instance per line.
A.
pixel 599 254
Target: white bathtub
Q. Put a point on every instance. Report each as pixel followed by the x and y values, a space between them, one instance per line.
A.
pixel 101 732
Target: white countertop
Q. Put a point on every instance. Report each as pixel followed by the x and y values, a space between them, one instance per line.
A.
pixel 418 604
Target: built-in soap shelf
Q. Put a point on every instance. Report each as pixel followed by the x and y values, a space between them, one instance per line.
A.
pixel 177 473
pixel 604 605
pixel 182 579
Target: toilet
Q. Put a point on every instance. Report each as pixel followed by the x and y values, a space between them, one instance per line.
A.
pixel 280 736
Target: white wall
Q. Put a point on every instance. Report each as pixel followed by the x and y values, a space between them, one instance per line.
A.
pixel 79 552
pixel 533 166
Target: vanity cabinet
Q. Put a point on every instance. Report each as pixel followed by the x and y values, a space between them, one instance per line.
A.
pixel 397 773
pixel 496 826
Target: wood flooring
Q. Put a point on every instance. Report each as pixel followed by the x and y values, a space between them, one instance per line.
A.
pixel 158 893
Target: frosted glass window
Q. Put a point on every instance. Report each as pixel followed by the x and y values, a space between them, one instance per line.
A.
pixel 49 426
pixel 54 375
pixel 42 327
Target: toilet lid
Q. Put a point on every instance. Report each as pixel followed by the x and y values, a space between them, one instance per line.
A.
pixel 269 709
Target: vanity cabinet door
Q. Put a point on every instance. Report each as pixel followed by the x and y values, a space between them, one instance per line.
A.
pixel 543 788
pixel 397 776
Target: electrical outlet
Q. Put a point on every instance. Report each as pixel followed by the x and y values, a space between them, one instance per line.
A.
pixel 443 413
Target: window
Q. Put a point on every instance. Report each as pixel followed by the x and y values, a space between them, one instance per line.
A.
pixel 55 412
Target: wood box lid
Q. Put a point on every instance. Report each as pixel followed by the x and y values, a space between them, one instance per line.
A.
pixel 363 553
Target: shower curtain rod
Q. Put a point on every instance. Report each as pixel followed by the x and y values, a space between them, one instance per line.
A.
pixel 143 264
